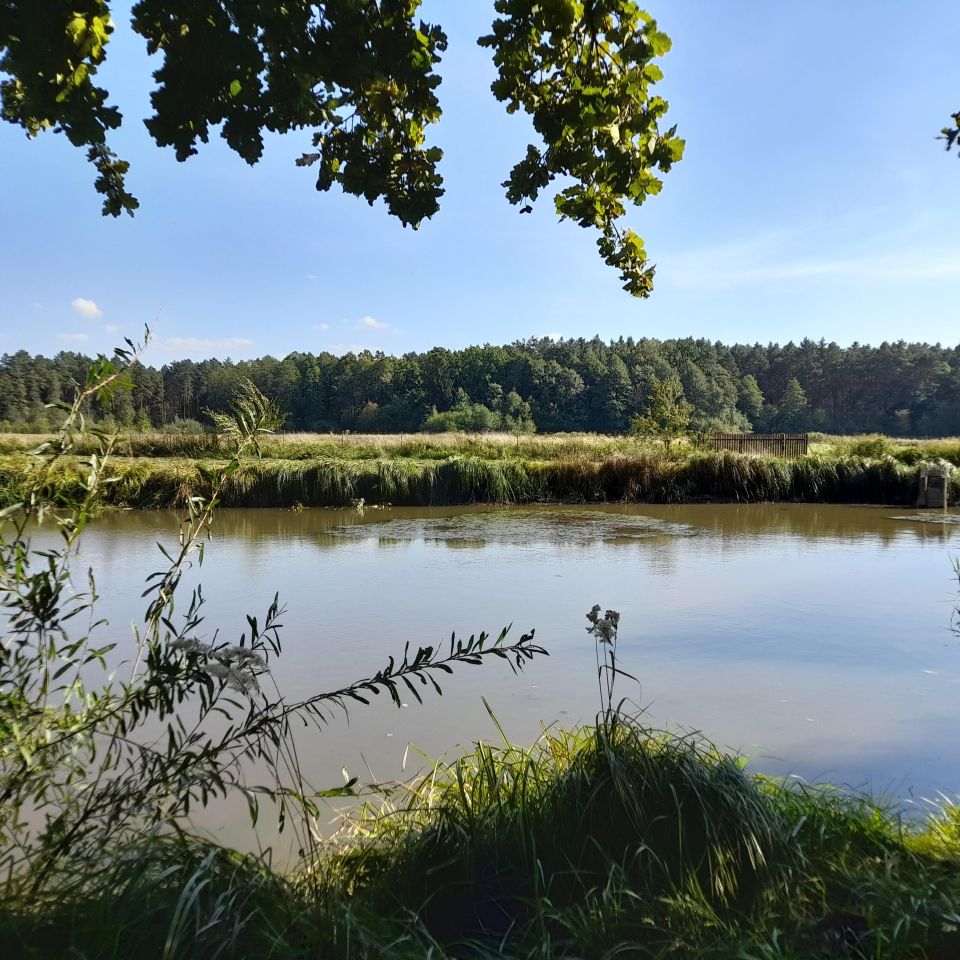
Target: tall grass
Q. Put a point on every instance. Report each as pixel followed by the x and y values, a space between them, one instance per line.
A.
pixel 608 841
pixel 175 898
pixel 615 840
pixel 647 476
pixel 550 822
pixel 904 450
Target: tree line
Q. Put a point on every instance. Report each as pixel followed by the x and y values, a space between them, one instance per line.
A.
pixel 902 389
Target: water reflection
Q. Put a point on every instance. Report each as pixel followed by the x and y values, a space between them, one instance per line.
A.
pixel 565 523
pixel 815 638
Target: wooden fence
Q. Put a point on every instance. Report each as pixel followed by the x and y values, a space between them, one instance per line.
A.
pixel 777 444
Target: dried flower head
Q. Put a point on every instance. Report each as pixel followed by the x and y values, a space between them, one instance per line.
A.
pixel 603 628
pixel 237 667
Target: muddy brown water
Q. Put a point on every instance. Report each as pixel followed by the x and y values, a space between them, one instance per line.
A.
pixel 815 639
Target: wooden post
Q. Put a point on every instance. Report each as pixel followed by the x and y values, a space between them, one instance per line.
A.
pixel 937 491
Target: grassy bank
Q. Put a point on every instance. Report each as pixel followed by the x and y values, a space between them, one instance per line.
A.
pixel 486 446
pixel 611 841
pixel 649 475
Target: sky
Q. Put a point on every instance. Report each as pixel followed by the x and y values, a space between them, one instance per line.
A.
pixel 814 200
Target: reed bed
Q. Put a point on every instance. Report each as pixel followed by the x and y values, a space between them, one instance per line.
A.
pixel 653 476
pixel 609 841
pixel 487 446
pixel 903 450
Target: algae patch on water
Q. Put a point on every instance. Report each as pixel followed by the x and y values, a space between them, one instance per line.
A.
pixel 519 528
pixel 947 519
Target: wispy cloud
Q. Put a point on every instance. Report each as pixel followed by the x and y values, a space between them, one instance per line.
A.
pixel 72 337
pixel 372 323
pixel 321 326
pixel 765 261
pixel 86 308
pixel 110 327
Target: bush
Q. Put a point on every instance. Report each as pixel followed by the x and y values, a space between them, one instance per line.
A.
pixel 185 425
pixel 464 418
pixel 875 446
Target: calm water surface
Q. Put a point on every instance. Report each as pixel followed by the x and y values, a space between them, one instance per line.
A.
pixel 815 639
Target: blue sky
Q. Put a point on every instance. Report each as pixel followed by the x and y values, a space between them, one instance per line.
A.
pixel 813 200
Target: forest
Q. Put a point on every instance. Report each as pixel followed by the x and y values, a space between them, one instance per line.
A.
pixel 538 384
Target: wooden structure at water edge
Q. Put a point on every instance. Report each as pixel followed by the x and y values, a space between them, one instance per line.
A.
pixel 934 484
pixel 771 444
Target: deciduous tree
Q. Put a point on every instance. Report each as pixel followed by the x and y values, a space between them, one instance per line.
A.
pixel 360 76
pixel 668 413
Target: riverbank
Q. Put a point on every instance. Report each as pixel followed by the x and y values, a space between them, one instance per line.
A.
pixel 612 840
pixel 647 475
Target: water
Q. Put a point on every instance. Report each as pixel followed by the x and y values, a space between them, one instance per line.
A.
pixel 815 639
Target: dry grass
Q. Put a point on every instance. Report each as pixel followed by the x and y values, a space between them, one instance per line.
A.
pixel 489 446
pixel 347 446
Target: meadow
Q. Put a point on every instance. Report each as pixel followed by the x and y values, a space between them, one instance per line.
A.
pixel 487 446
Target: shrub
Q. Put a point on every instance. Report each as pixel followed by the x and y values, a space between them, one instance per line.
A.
pixel 83 773
pixel 876 446
pixel 184 425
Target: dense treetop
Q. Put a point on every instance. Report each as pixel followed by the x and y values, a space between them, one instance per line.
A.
pixel 361 77
pixel 550 385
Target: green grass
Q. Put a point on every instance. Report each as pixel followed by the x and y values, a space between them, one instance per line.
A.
pixel 648 475
pixel 490 446
pixel 311 446
pixel 610 841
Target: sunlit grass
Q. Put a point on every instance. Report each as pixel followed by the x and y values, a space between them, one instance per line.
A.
pixel 491 446
pixel 608 841
pixel 422 446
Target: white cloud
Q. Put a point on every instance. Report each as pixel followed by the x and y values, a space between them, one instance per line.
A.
pixel 86 308
pixel 72 337
pixel 111 327
pixel 321 326
pixel 312 276
pixel 372 323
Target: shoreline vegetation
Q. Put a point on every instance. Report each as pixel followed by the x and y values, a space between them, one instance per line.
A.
pixel 611 840
pixel 606 841
pixel 159 470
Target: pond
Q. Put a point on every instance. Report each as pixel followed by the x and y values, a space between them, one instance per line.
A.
pixel 814 639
